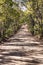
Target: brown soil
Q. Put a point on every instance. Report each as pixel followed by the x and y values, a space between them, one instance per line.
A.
pixel 22 49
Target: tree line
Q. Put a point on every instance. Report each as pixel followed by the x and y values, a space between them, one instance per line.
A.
pixel 35 17
pixel 11 18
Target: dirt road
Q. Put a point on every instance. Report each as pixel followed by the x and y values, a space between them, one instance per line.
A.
pixel 22 49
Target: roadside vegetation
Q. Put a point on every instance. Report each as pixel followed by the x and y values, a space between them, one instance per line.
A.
pixel 34 17
pixel 12 17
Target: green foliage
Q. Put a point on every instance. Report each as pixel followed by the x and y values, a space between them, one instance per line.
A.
pixel 36 15
pixel 10 18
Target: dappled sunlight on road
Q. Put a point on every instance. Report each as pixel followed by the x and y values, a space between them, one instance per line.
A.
pixel 21 49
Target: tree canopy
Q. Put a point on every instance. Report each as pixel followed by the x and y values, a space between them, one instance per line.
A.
pixel 12 17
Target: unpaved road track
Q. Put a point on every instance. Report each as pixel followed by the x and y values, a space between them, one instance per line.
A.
pixel 22 49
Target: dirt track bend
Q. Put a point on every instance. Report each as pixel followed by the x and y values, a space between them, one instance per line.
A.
pixel 22 49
